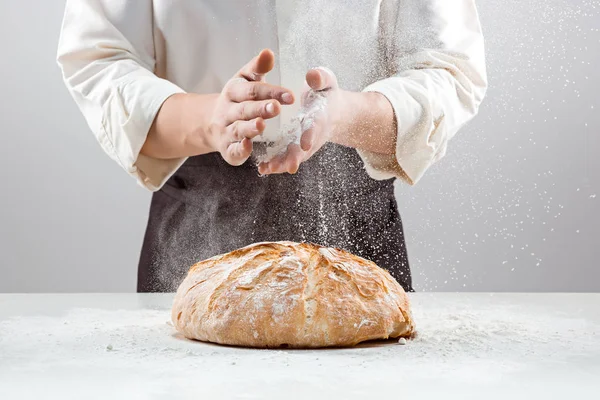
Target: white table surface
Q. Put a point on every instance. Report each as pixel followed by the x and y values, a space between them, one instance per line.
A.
pixel 116 346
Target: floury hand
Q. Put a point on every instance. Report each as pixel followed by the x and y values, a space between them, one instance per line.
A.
pixel 317 124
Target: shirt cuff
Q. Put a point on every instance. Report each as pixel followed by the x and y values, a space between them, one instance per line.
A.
pixel 413 154
pixel 383 166
pixel 146 95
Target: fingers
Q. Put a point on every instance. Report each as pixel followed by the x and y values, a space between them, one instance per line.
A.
pixel 245 91
pixel 258 67
pixel 289 162
pixel 294 156
pixel 321 78
pixel 237 153
pixel 239 130
pixel 249 110
pixel 308 137
pixel 294 159
pixel 240 135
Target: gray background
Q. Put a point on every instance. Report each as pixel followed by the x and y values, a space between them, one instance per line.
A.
pixel 512 207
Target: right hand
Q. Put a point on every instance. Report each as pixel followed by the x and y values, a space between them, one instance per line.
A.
pixel 243 106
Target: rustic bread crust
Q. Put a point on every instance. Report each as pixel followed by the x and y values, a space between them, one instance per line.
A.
pixel 286 294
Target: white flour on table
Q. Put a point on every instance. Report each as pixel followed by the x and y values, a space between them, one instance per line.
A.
pixel 457 344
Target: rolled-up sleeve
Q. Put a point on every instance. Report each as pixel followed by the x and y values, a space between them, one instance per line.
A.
pixel 438 80
pixel 106 53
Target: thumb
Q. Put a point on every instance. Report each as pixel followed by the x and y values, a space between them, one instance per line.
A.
pixel 258 67
pixel 321 78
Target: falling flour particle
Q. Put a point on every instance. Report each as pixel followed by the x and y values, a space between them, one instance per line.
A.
pixel 314 104
pixel 109 347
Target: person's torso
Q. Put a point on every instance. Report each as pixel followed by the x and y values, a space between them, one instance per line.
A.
pixel 209 207
pixel 201 44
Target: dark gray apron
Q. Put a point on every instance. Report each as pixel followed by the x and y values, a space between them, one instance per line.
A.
pixel 209 207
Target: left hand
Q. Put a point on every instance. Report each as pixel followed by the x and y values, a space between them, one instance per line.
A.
pixel 317 79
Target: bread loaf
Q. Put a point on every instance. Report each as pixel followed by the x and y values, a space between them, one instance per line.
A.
pixel 285 294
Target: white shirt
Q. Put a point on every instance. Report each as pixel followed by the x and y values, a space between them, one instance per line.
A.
pixel 122 59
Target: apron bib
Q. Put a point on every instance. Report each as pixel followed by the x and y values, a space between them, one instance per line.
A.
pixel 209 207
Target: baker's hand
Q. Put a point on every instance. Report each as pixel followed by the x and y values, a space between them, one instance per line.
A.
pixel 324 81
pixel 241 108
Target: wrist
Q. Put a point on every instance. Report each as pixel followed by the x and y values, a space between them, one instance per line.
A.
pixel 367 122
pixel 197 115
pixel 348 117
pixel 341 111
